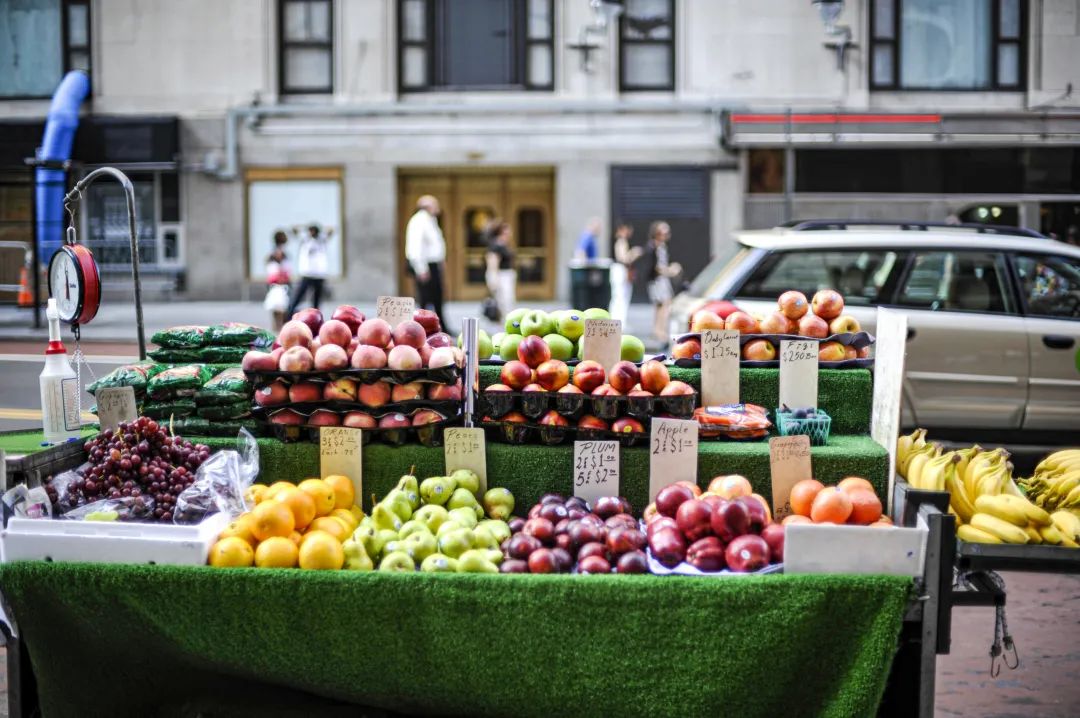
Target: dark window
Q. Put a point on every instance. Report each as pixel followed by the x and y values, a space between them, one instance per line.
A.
pixel 948 44
pixel 306 46
pixel 530 231
pixel 475 45
pixel 860 276
pixel 956 282
pixel 766 174
pixel 647 46
pixel 1050 285
pixel 40 40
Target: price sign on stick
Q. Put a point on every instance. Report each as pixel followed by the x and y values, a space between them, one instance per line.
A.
pixel 673 457
pixel 341 452
pixel 596 469
pixel 798 373
pixel 114 405
pixel 603 341
pixel 719 367
pixel 394 310
pixel 789 463
pixel 465 449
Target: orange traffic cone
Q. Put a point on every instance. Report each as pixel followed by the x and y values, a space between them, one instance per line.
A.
pixel 26 297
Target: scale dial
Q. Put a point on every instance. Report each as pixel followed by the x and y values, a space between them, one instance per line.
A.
pixel 74 283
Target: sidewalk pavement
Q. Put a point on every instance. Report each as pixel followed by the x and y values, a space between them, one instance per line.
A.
pixel 115 321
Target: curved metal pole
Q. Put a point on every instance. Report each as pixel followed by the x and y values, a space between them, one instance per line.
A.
pixel 75 195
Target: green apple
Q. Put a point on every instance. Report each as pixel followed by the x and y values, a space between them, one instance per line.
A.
pixel 508 348
pixel 560 347
pixel 476 561
pixel 513 321
pixel 407 485
pixel 437 489
pixel 413 526
pixel 596 313
pixel 455 543
pixel 356 556
pixel 580 352
pixel 465 515
pixel 398 502
pixel 484 538
pixel 385 519
pixel 397 561
pixel 499 503
pixel 447 526
pixel 536 323
pixel 632 349
pixel 571 325
pixel 496 342
pixel 438 563
pixel 484 348
pixel 556 315
pixel 466 479
pixel 432 516
pixel 420 545
pixel 499 529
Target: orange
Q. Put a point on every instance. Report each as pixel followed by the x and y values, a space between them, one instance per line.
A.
pixel 255 493
pixel 803 494
pixel 296 537
pixel 322 492
pixel 231 552
pixel 240 526
pixel 272 518
pixel 881 525
pixel 795 519
pixel 865 506
pixel 275 488
pixel 300 503
pixel 276 552
pixel 333 526
pixel 830 505
pixel 345 516
pixel 321 551
pixel 344 494
pixel 854 482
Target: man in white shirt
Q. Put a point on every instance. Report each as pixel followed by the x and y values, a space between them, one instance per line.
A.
pixel 313 264
pixel 425 252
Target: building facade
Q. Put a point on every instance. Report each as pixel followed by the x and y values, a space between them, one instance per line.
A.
pixel 238 117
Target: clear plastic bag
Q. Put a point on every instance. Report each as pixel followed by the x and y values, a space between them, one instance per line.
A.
pixel 220 483
pixel 125 508
pixel 62 488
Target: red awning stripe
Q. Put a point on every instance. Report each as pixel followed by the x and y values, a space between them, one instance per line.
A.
pixel 808 119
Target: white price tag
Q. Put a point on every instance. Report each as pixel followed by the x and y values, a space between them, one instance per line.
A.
pixel 341 452
pixel 719 367
pixel 114 405
pixel 789 463
pixel 603 341
pixel 798 373
pixel 394 310
pixel 466 449
pixel 673 453
pixel 596 469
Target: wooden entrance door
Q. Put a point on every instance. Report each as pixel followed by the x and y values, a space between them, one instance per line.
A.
pixel 470 200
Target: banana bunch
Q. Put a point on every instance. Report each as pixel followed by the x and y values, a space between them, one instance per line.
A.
pixel 1012 519
pixel 907 447
pixel 932 470
pixel 1056 482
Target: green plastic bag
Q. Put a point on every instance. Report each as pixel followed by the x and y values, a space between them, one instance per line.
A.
pixel 172 408
pixel 133 375
pixel 225 412
pixel 238 334
pixel 226 387
pixel 227 355
pixel 182 380
pixel 174 356
pixel 192 426
pixel 183 337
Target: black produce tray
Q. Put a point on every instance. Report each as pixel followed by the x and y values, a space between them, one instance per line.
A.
pixel 430 435
pixel 510 432
pixel 307 408
pixel 442 375
pixel 1035 558
pixel 854 339
pixel 534 404
pixel 496 361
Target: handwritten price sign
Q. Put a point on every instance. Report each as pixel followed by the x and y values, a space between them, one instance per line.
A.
pixel 603 341
pixel 114 405
pixel 719 367
pixel 466 449
pixel 341 453
pixel 673 445
pixel 394 310
pixel 789 463
pixel 798 373
pixel 596 469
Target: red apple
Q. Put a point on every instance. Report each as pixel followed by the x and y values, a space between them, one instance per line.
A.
pixel 660 522
pixel 707 554
pixel 404 358
pixel 374 395
pixel 515 374
pixel 623 376
pixel 632 562
pixel 747 553
pixel 606 390
pixel 693 519
pixel 591 422
pixel 588 375
pixel 730 520
pixel 426 416
pixel 694 488
pixel 774 537
pixel 851 352
pixel 677 388
pixel 310 316
pixel 623 539
pixel 274 393
pixel 654 376
pixel 358 420
pixel 407 392
pixel 650 513
pixel 258 361
pixel 374 332
pixel 554 418
pixel 350 315
pixel 793 305
pixel 305 391
pixel 409 333
pixel 741 322
pixel 627 425
pixel 827 304
pixel 425 354
pixel 439 339
pixel 331 357
pixel 394 421
pixel 295 334
pixel 813 326
pixel 704 319
pixel 324 417
pixel 428 319
pixel 440 357
pixel 337 332
pixel 777 323
pixel 863 352
pixel 553 374
pixel 340 390
pixel 620 520
pixel 831 351
pixel 445 392
pixel 759 350
pixel 287 416
pixel 670 498
pixel 758 515
pixel 687 349
pixel 668 547
pixel 367 356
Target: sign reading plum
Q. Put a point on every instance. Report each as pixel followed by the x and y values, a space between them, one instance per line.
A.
pixel 596 469
pixel 341 452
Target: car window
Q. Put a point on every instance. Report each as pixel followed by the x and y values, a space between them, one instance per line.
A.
pixel 1050 285
pixel 860 275
pixel 731 257
pixel 956 282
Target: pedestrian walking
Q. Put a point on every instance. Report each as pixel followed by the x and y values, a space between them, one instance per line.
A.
pixel 501 276
pixel 425 253
pixel 277 280
pixel 661 272
pixel 622 272
pixel 313 264
pixel 588 247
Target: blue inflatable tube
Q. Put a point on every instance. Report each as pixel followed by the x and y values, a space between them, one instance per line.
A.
pixel 60 128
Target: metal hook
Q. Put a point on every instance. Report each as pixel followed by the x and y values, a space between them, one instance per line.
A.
pixel 1010 647
pixel 995 667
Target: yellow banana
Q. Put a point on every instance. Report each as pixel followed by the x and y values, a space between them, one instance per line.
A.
pixel 1035 515
pixel 1033 534
pixel 983 463
pixel 1067 523
pixel 1071 501
pixel 974 535
pixel 1002 509
pixel 915 467
pixel 966 456
pixel 1004 530
pixel 1069 543
pixel 903 448
pixel 1012 489
pixel 959 498
pixel 933 473
pixel 1050 534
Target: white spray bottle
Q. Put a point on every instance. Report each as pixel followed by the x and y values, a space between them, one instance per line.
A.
pixel 60 410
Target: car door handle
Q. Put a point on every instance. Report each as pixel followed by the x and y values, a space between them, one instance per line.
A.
pixel 910 333
pixel 1057 341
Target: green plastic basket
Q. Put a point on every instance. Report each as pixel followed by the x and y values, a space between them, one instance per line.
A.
pixel 816 427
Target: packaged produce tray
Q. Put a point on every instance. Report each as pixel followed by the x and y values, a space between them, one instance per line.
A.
pixel 1015 557
pixel 442 375
pixel 858 340
pixel 109 541
pixel 536 403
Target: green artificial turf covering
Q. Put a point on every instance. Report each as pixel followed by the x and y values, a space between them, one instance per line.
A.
pixel 126 640
pixel 18 443
pixel 846 395
pixel 531 471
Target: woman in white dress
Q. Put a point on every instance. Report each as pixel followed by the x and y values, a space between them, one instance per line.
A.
pixel 661 272
pixel 622 272
pixel 501 276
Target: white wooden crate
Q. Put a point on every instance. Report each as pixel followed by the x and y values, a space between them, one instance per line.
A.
pixel 822 548
pixel 109 541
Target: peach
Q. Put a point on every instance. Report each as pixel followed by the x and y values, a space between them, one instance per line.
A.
pixel 295 334
pixel 554 418
pixel 296 359
pixel 358 420
pixel 654 376
pixel 303 391
pixel 368 357
pixel 731 486
pixel 373 395
pixel 534 351
pixel 337 332
pixel 606 390
pixel 287 416
pixel 374 332
pixel 515 374
pixel 404 358
pixel 814 326
pixel 439 339
pixel 340 390
pixel 793 305
pixel 258 361
pixel 409 333
pixel 627 425
pixel 591 422
pixel 570 389
pixel 534 386
pixel 426 416
pixel 394 421
pixel 687 349
pixel 677 388
pixel 827 304
pixel 623 376
pixel 741 322
pixel 425 353
pixel 272 394
pixel 831 351
pixel 443 356
pixel 331 357
pixel 588 375
pixel 324 417
pixel 553 374
pixel 407 392
pixel 444 392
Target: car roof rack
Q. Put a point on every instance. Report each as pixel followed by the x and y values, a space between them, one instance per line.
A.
pixel 808 225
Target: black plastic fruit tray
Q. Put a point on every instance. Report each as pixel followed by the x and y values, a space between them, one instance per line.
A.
pixel 446 408
pixel 430 435
pixel 853 339
pixel 497 361
pixel 512 432
pixel 534 404
pixel 442 375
